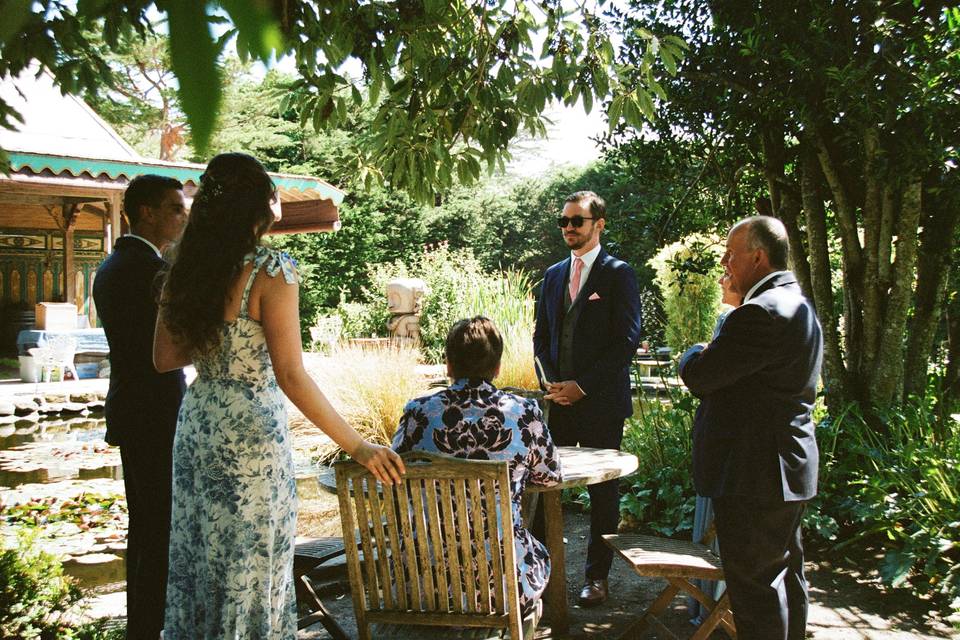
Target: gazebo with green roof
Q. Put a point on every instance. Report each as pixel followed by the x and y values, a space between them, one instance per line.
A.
pixel 61 203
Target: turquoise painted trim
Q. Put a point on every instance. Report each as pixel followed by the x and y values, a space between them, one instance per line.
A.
pixel 115 169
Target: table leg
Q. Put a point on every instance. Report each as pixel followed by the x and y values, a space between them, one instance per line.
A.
pixel 556 594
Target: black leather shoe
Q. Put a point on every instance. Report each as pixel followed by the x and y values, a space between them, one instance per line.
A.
pixel 593 593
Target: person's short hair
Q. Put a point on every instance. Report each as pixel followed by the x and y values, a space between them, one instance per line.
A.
pixel 474 347
pixel 769 234
pixel 598 208
pixel 149 190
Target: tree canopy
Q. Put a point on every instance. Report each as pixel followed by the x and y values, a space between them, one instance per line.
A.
pixel 451 82
pixel 848 114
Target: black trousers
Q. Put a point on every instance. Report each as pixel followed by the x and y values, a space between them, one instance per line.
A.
pixel 762 553
pixel 147 479
pixel 571 426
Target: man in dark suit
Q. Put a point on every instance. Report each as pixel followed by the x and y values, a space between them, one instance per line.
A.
pixel 754 450
pixel 586 335
pixel 141 407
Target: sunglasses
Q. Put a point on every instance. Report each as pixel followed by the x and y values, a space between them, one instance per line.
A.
pixel 576 221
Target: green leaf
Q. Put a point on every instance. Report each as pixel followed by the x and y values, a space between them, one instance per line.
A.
pixel 15 14
pixel 676 42
pixel 257 29
pixel 613 112
pixel 646 104
pixel 668 61
pixel 193 55
pixel 896 568
pixel 587 96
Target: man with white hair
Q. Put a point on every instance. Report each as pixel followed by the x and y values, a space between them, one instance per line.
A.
pixel 754 450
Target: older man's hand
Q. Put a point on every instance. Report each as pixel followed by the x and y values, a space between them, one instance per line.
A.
pixel 565 393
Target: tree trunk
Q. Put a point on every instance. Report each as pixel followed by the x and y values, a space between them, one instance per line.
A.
pixel 852 255
pixel 874 287
pixel 889 363
pixel 821 288
pixel 933 271
pixel 789 213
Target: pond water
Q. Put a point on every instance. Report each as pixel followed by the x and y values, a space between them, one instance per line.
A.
pixel 56 449
pixel 62 464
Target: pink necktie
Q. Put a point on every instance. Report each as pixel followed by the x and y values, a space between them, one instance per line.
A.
pixel 575 280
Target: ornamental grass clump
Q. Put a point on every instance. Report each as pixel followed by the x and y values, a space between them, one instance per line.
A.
pixel 369 387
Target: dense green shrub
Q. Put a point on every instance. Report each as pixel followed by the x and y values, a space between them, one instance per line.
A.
pixel 687 274
pixel 458 287
pixel 35 595
pixel 660 496
pixel 896 487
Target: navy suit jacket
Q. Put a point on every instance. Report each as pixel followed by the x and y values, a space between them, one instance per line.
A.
pixel 605 337
pixel 141 403
pixel 753 435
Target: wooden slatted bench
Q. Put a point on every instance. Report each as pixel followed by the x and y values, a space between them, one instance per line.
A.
pixel 679 561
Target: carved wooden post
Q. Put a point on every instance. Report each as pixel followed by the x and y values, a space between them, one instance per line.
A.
pixel 69 222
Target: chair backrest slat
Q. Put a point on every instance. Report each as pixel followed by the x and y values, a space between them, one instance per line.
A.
pixel 349 522
pixel 438 562
pixel 363 525
pixel 380 543
pixel 452 556
pixel 420 516
pixel 509 568
pixel 462 530
pixel 406 528
pixel 392 524
pixel 438 547
pixel 496 550
pixel 479 539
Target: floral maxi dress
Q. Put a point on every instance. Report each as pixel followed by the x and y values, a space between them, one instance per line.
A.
pixel 234 494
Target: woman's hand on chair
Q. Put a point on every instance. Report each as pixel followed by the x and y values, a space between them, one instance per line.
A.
pixel 383 462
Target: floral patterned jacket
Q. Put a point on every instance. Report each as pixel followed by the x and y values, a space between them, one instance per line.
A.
pixel 473 419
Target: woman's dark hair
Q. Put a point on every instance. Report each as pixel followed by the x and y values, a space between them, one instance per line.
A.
pixel 474 348
pixel 230 213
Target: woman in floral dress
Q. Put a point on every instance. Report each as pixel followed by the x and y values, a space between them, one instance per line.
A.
pixel 229 306
pixel 473 419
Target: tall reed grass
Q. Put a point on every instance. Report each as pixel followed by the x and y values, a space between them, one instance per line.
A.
pixel 507 299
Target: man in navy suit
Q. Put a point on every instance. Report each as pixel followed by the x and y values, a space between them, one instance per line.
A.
pixel 142 405
pixel 754 450
pixel 586 335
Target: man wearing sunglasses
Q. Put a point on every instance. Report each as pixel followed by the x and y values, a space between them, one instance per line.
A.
pixel 586 335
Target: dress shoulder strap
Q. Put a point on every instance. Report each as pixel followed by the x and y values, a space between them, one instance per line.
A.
pixel 273 262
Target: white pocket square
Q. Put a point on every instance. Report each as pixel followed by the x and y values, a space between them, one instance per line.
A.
pixel 594 296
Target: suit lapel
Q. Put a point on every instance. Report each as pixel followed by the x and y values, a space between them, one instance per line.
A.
pixel 779 280
pixel 558 289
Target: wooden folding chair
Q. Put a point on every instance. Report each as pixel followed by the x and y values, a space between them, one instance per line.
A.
pixel 679 561
pixel 311 561
pixel 438 550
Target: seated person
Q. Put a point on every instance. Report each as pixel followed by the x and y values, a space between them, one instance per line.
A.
pixel 473 419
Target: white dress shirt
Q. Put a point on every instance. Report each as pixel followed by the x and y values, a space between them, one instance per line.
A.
pixel 149 244
pixel 754 288
pixel 588 259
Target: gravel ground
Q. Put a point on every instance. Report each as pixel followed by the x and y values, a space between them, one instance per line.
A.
pixel 846 603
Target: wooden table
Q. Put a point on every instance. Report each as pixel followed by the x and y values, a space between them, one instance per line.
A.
pixel 581 467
